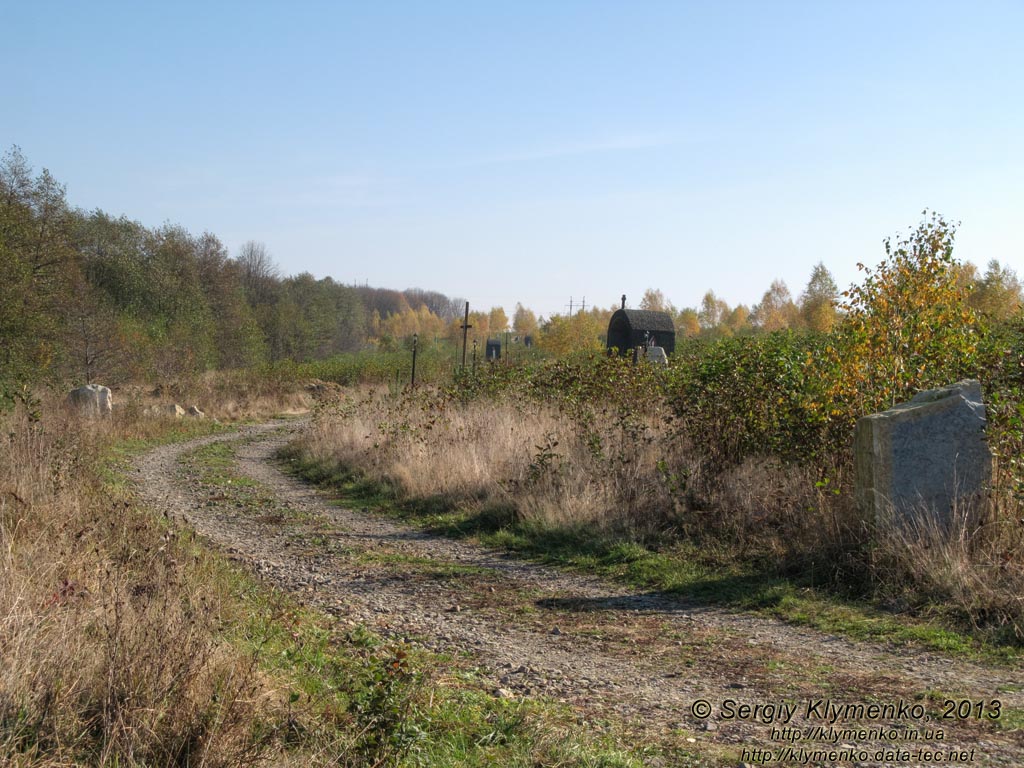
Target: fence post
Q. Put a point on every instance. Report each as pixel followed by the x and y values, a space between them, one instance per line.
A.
pixel 415 342
pixel 465 332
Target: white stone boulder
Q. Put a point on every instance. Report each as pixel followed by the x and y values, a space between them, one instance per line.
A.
pixel 195 413
pixel 91 400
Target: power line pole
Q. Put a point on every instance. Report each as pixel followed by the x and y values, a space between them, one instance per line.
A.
pixel 582 306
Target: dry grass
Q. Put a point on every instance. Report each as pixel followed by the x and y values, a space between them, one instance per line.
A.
pixel 783 512
pixel 226 396
pixel 973 566
pixel 533 459
pixel 629 477
pixel 109 625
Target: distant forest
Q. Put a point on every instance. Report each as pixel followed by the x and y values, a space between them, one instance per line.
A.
pixel 87 296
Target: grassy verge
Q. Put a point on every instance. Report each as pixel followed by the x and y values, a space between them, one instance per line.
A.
pixel 708 575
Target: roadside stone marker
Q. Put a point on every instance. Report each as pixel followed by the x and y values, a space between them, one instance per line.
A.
pixel 926 456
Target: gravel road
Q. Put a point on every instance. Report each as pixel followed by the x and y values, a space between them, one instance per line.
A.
pixel 646 661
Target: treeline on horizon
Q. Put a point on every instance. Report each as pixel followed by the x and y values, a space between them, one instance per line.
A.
pixel 87 296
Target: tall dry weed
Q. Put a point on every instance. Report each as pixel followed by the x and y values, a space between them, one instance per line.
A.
pixel 527 456
pixel 630 475
pixel 972 565
pixel 109 641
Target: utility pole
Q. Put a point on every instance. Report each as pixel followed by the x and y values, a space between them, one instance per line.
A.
pixel 570 306
pixel 465 334
pixel 583 307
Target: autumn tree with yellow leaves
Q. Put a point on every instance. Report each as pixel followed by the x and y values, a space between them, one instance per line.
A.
pixel 908 325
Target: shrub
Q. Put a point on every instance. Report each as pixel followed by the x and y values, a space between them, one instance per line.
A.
pixel 907 327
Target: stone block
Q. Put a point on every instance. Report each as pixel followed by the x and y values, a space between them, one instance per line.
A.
pixel 91 400
pixel 927 457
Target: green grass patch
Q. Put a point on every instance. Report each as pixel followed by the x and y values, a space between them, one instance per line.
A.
pixel 1011 719
pixel 216 463
pixel 118 455
pixel 425 566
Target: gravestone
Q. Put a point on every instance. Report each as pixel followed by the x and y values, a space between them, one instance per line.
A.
pixel 925 457
pixel 657 355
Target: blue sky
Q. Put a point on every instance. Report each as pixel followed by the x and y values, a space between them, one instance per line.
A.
pixel 533 151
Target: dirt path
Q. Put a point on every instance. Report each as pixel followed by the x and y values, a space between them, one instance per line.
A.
pixel 645 660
